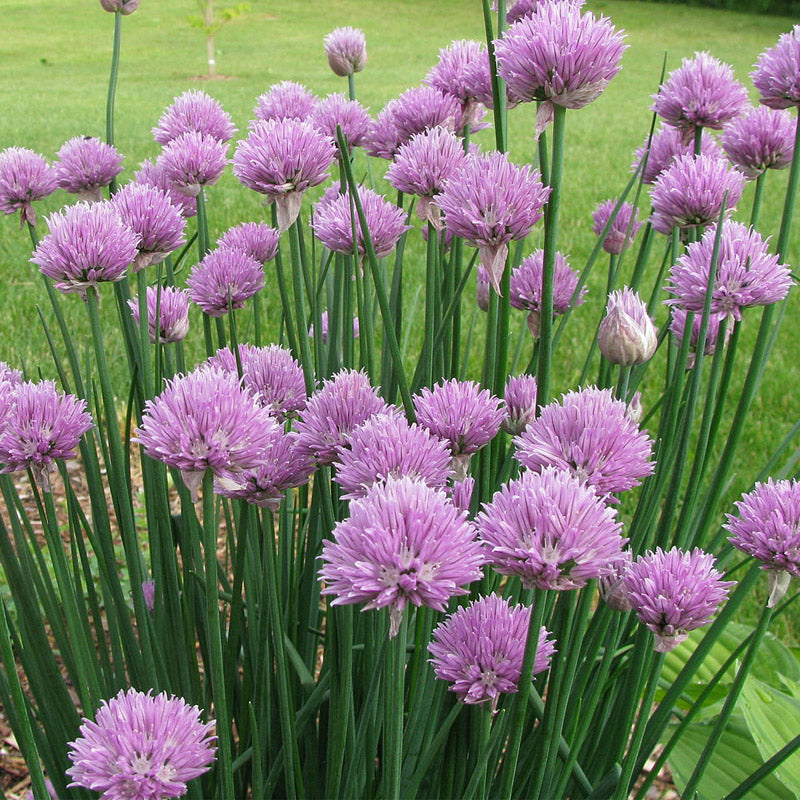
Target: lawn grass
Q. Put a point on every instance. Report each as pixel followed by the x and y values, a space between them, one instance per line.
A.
pixel 54 68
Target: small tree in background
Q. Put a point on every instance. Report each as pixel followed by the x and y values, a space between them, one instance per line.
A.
pixel 210 22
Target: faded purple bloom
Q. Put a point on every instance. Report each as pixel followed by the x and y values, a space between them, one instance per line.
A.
pixel 768 528
pixel 490 202
pixel 761 139
pixel 149 595
pixel 152 174
pixel 701 93
pixel 350 115
pixel 623 229
pixel 149 212
pixel 285 100
pixel 520 400
pixel 85 165
pixel 224 280
pixel 612 587
pixel 690 192
pixel 674 592
pixel 526 288
pixel 384 138
pixel 171 307
pixel 193 160
pixel 24 177
pixel 480 649
pixel 324 326
pixel 346 49
pixel 453 75
pixel 387 447
pixel 256 239
pixel 402 543
pixel 87 244
pixel 550 530
pixel 334 411
pixel 590 435
pixel 747 273
pixel 777 72
pixel 141 747
pixel 123 6
pixel 40 426
pixel 665 146
pixel 627 334
pixel 281 159
pixel 194 111
pixel 677 326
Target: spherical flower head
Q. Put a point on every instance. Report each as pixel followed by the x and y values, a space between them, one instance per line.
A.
pixel 152 174
pixel 285 100
pixel 24 177
pixel 141 747
pixel 777 72
pixel 520 402
pixel 149 212
pixel 761 139
pixel 386 447
pixel 520 9
pixel 255 239
pixel 281 158
pixel 623 229
pixel 677 327
pixel 87 244
pixel 402 543
pixel 550 530
pixel 41 425
pixel 768 528
pixel 674 592
pixel 424 107
pixel 747 273
pixel 559 56
pixel 665 146
pixel 334 411
pixel 167 313
pixel 194 111
pixel 271 374
pixel 612 587
pixel 627 334
pixel 454 75
pixel 490 202
pixel 479 77
pixel 384 139
pixel 350 115
pixel 701 93
pixel 590 435
pixel 346 49
pixel 9 377
pixel 125 7
pixel 479 649
pixel 193 160
pixel 224 280
pixel 333 224
pixel 690 192
pixel 85 165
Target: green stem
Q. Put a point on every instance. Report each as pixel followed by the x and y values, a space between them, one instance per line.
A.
pixel 112 87
pixel 791 195
pixel 351 86
pixel 394 714
pixel 757 197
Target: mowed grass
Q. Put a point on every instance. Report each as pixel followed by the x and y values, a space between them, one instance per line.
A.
pixel 53 77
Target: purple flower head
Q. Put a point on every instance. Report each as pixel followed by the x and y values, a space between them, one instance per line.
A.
pixel 747 273
pixel 9 377
pixel 550 530
pixel 205 420
pixel 480 648
pixel 701 93
pixel 627 334
pixel 171 307
pixel 402 543
pixel 479 77
pixel 152 174
pixel 87 244
pixel 777 72
pixel 123 6
pixel 350 115
pixel 141 747
pixel 768 528
pixel 623 229
pixel 324 326
pixel 490 202
pixel 421 167
pixel 526 288
pixel 346 49
pixel 612 587
pixel 690 192
pixel 334 411
pixel 41 425
pixel 424 107
pixel 674 592
pixel 193 160
pixel 384 139
pixel 520 400
pixel 224 280
pixel 24 177
pixel 281 159
pixel 194 112
pixel 285 100
pixel 149 594
pixel 761 139
pixel 454 74
pixel 85 165
pixel 559 56
pixel 590 435
pixel 149 212
pixel 255 239
pixel 271 374
pixel 665 146
pixel 386 447
pixel 461 493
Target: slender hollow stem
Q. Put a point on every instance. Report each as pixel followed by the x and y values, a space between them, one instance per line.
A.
pixel 112 87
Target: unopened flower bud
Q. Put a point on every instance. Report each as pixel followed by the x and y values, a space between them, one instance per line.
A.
pixel 346 49
pixel 627 335
pixel 123 6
